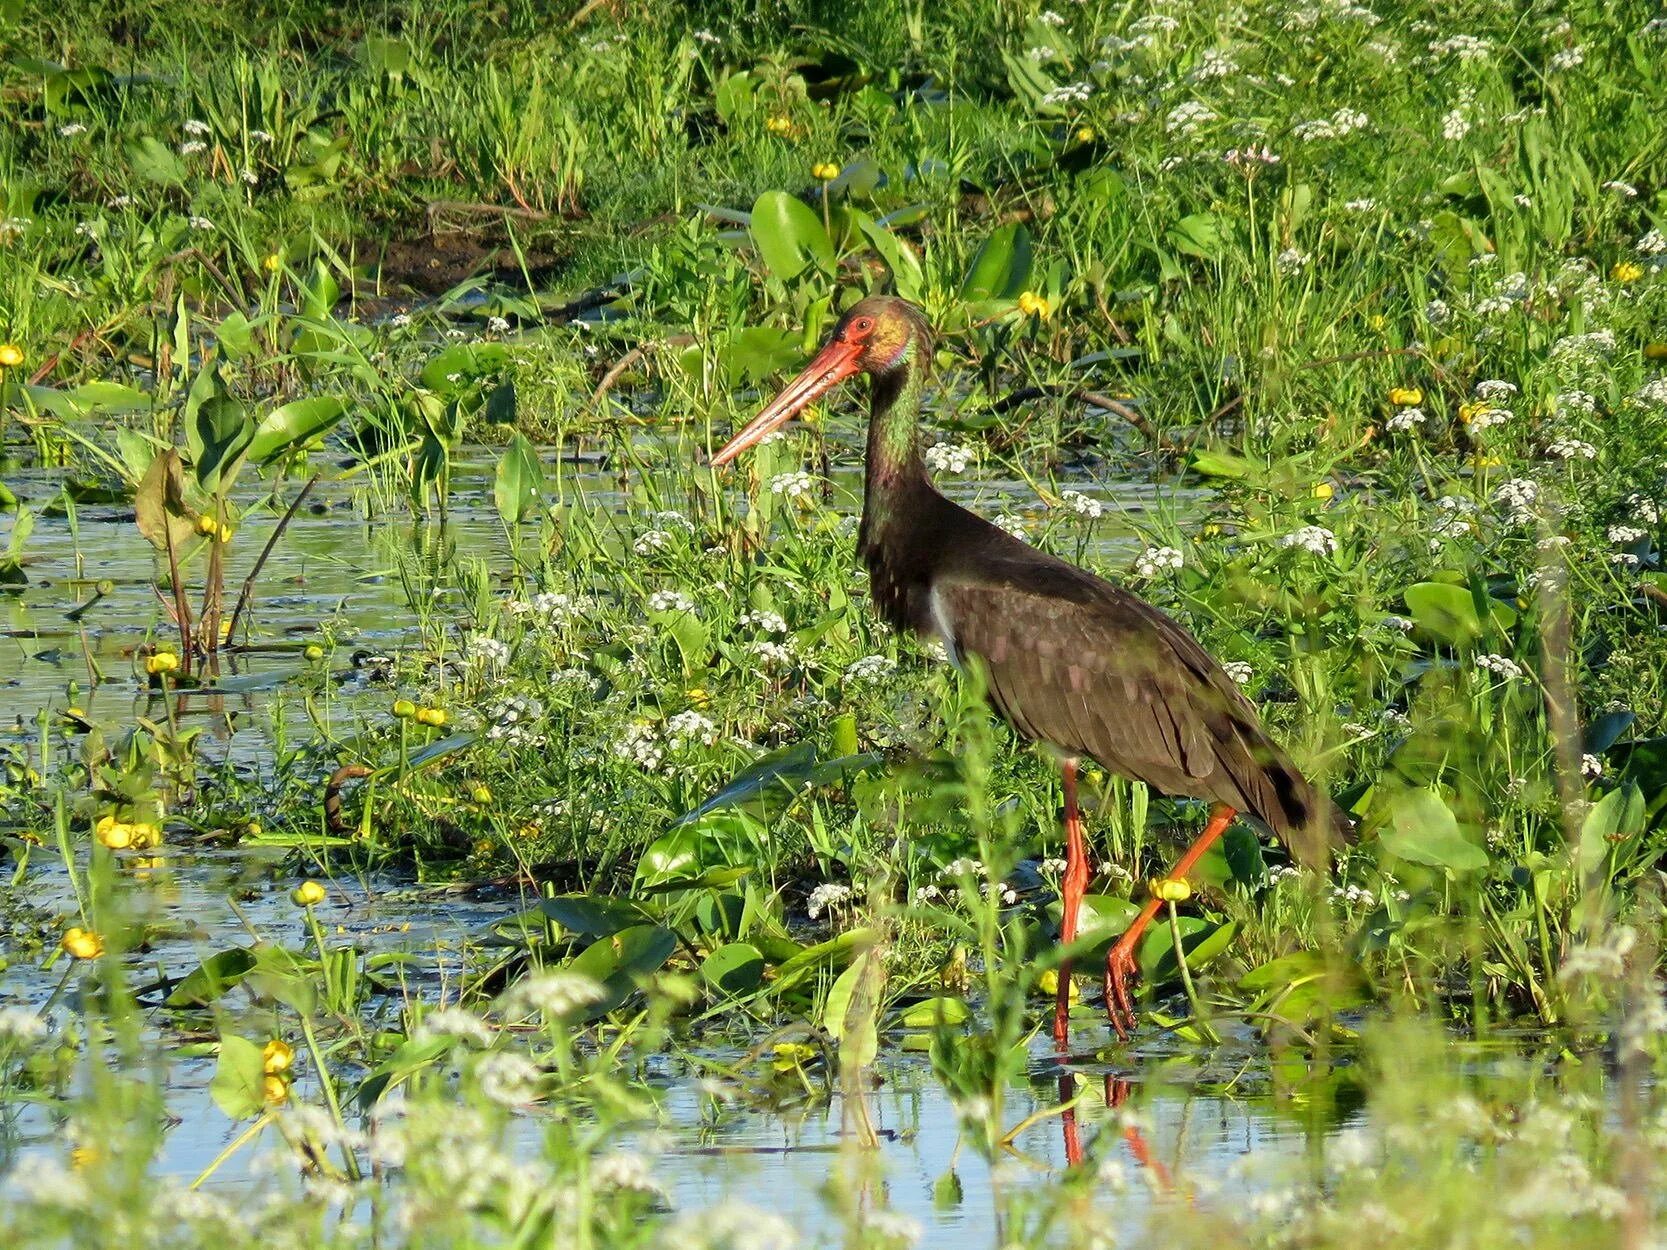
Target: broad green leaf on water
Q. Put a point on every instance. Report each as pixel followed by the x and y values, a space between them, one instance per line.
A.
pixel 1001 267
pixel 110 397
pixel 789 235
pixel 293 424
pixel 737 968
pixel 825 954
pixel 592 915
pixel 689 633
pixel 1446 613
pixel 209 980
pixel 8 500
pixel 320 293
pixel 1457 240
pixel 1243 850
pixel 1198 235
pixel 850 1017
pixel 935 1011
pixel 238 1087
pixel 1222 464
pixel 518 487
pixel 1423 829
pixel 789 768
pixel 281 975
pixel 620 959
pixel 235 336
pixel 711 879
pixel 1103 917
pixel 753 354
pixel 384 55
pixel 456 367
pixel 1202 940
pixel 859 179
pixel 218 429
pixel 159 505
pixel 672 856
pixel 1306 985
pixel 1616 815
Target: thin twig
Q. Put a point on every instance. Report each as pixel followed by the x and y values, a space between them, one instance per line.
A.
pixel 271 542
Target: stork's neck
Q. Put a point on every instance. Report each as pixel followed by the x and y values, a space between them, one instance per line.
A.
pixel 895 469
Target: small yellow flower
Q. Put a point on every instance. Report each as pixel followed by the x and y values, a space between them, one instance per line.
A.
pixel 1627 271
pixel 1171 889
pixel 206 524
pixel 1405 396
pixel 1486 462
pixel 272 263
pixel 1377 321
pixel 225 533
pixel 1471 409
pixel 825 171
pixel 435 716
pixel 11 355
pixel 82 943
pixel 698 696
pixel 404 709
pixel 1048 984
pixel 145 834
pixel 275 1090
pixel 1655 351
pixel 1085 134
pixel 313 652
pixel 1034 305
pixel 481 794
pixel 779 124
pixel 308 894
pixel 162 662
pixel 84 1156
pixel 1323 490
pixel 276 1056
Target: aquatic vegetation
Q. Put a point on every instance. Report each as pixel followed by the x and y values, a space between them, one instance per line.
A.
pixel 541 813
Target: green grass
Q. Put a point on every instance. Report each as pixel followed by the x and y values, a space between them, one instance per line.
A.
pixel 1387 294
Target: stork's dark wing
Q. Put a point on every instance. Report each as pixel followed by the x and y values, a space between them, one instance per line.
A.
pixel 1074 661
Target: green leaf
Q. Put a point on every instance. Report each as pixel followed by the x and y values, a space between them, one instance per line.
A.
pixel 1198 235
pixel 850 1019
pixel 824 954
pixel 1222 464
pixel 1001 267
pixel 155 161
pixel 1423 829
pixel 291 425
pixel 1616 815
pixel 159 505
pixel 238 1087
pixel 1202 940
pixel 737 968
pixel 789 235
pixel 620 959
pixel 591 915
pixel 518 487
pixel 1244 855
pixel 935 1011
pixel 209 980
pixel 1443 612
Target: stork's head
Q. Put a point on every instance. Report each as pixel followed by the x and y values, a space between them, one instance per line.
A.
pixel 878 334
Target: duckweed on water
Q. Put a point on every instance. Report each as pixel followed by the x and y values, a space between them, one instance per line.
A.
pixel 630 840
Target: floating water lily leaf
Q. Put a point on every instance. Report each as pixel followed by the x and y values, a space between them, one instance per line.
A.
pixel 1445 612
pixel 1306 985
pixel 466 362
pixel 592 915
pixel 1423 829
pixel 935 1011
pixel 737 968
pixel 1222 464
pixel 239 1084
pixel 789 235
pixel 834 951
pixel 618 960
pixel 209 980
pixel 290 425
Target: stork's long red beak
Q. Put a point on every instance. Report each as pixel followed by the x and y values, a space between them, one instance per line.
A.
pixel 833 364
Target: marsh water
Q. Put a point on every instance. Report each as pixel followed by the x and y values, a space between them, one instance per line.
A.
pixel 352 573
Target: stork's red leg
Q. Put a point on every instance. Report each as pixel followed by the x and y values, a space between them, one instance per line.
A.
pixel 1120 962
pixel 1071 890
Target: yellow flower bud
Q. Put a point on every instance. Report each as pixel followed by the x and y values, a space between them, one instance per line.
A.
pixel 404 709
pixel 699 696
pixel 276 1056
pixel 1033 305
pixel 1171 889
pixel 82 943
pixel 113 833
pixel 1627 271
pixel 481 794
pixel 826 171
pixel 206 524
pixel 272 262
pixel 314 652
pixel 275 1090
pixel 435 716
pixel 1406 396
pixel 11 355
pixel 780 124
pixel 1323 490
pixel 308 894
pixel 145 834
pixel 1085 134
pixel 1048 984
pixel 224 534
pixel 162 662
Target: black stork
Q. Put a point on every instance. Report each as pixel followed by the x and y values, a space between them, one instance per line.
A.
pixel 1071 660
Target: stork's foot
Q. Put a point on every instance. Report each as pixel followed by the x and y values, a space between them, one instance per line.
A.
pixel 1120 973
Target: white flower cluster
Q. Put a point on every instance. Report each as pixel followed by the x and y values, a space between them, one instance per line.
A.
pixel 1314 539
pixel 1651 243
pixel 20 1026
pixel 1250 158
pixel 652 542
pixel 1583 402
pixel 1596 346
pixel 1486 418
pixel 688 728
pixel 515 721
pixel 556 609
pixel 871 670
pixel 1644 508
pixel 949 457
pixel 508 1079
pixel 1453 514
pixel 1653 393
pixel 1518 497
pixel 1291 260
pixel 1502 666
pixel 1081 504
pixel 1186 119
pixel 486 651
pixel 1404 419
pixel 1495 389
pixel 455 1023
pixel 1466 48
pixel 641 744
pixel 1013 524
pixel 765 620
pixel 1070 93
pixel 793 485
pixel 1155 560
pixel 1566 448
pixel 1626 535
pixel 555 995
pixel 1591 766
pixel 1341 124
pixel 670 601
pixel 825 897
pixel 771 654
pixel 1240 671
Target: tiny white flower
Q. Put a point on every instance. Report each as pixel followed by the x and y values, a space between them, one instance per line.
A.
pixel 197 128
pixel 1240 671
pixel 1081 504
pixel 793 485
pixel 670 601
pixel 1502 666
pixel 1314 539
pixel 1155 560
pixel 825 897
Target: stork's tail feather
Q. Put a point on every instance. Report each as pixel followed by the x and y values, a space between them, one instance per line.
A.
pixel 1305 820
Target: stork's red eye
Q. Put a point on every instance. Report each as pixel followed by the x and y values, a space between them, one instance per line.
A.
pixel 862 325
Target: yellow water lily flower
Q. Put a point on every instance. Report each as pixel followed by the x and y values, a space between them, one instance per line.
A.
pixel 113 833
pixel 162 662
pixel 272 263
pixel 308 894
pixel 1655 351
pixel 435 716
pixel 1171 889
pixel 481 794
pixel 1033 305
pixel 82 943
pixel 276 1056
pixel 1473 408
pixel 11 355
pixel 1323 490
pixel 825 171
pixel 1085 134
pixel 1406 396
pixel 404 709
pixel 275 1090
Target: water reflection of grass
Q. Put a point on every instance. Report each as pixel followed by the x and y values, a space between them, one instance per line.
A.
pixel 1393 325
